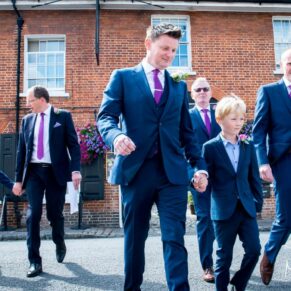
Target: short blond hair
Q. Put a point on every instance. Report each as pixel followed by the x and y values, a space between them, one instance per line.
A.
pixel 229 104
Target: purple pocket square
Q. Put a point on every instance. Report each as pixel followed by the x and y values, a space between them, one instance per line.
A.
pixel 57 125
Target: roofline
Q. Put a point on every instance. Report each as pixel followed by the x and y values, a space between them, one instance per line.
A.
pixel 212 6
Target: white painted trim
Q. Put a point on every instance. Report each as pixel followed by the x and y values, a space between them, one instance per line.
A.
pixel 169 6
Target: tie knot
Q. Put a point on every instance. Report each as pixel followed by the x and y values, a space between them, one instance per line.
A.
pixel 204 110
pixel 42 114
pixel 156 72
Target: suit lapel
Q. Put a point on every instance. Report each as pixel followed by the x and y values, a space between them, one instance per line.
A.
pixel 142 82
pixel 31 130
pixel 169 85
pixel 52 122
pixel 284 93
pixel 201 122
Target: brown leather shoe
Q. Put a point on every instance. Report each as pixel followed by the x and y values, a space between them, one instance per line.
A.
pixel 208 275
pixel 266 269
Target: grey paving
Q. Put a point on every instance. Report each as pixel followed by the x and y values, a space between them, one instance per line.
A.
pixel 94 261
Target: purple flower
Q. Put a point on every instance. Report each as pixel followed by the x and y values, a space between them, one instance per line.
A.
pixel 91 143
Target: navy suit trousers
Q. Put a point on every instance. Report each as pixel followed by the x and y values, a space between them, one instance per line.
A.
pixel 41 181
pixel 150 186
pixel 246 228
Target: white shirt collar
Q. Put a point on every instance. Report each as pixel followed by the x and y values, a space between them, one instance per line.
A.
pixel 148 68
pixel 287 82
pixel 200 108
pixel 48 110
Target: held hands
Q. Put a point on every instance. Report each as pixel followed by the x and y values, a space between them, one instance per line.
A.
pixel 123 145
pixel 200 182
pixel 17 189
pixel 76 179
pixel 266 173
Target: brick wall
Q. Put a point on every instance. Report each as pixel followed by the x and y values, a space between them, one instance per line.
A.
pixel 234 51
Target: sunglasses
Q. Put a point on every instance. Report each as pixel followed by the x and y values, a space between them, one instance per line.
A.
pixel 205 89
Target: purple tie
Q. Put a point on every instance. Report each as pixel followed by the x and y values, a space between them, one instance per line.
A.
pixel 207 120
pixel 40 151
pixel 158 86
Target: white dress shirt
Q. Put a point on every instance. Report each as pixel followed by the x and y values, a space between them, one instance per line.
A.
pixel 148 69
pixel 202 113
pixel 47 157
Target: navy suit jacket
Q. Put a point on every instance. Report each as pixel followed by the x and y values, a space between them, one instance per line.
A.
pixel 63 142
pixel 4 179
pixel 272 126
pixel 201 131
pixel 128 95
pixel 227 185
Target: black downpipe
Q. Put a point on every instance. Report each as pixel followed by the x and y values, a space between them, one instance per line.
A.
pixel 20 22
pixel 97 31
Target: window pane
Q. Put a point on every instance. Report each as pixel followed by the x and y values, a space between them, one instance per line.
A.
pixel 41 72
pixel 183 49
pixel 60 58
pixel 32 59
pixel 31 83
pixel 61 46
pixel 51 58
pixel 51 83
pixel 42 46
pixel 60 72
pixel 33 46
pixel 183 61
pixel 32 72
pixel 50 71
pixel 41 59
pixel 52 46
pixel 41 82
pixel 60 83
pixel 175 62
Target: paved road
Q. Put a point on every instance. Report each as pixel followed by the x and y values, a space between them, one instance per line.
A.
pixel 97 264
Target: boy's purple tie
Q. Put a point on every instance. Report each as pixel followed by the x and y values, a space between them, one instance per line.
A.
pixel 40 151
pixel 157 86
pixel 207 120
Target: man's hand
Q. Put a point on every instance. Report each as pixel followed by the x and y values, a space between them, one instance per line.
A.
pixel 76 179
pixel 200 182
pixel 266 173
pixel 123 145
pixel 17 189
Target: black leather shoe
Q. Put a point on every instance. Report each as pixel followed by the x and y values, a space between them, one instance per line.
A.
pixel 61 252
pixel 34 270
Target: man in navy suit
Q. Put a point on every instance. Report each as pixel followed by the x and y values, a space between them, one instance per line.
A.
pixel 48 156
pixel 272 138
pixel 155 138
pixel 236 194
pixel 206 127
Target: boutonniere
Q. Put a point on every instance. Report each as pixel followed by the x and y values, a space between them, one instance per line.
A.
pixel 244 138
pixel 57 110
pixel 179 76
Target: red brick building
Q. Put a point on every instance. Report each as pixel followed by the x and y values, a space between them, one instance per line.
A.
pixel 236 45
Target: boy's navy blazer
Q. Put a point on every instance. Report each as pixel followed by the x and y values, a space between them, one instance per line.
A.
pixel 228 185
pixel 128 95
pixel 201 131
pixel 63 143
pixel 272 122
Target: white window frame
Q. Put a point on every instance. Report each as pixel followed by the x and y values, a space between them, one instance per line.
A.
pixel 27 38
pixel 188 68
pixel 277 52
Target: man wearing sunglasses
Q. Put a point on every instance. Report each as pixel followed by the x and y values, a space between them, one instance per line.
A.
pixel 206 127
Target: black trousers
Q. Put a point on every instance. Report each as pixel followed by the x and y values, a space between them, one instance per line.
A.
pixel 40 182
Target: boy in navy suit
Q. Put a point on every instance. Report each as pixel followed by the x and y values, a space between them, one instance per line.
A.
pixel 5 180
pixel 236 194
